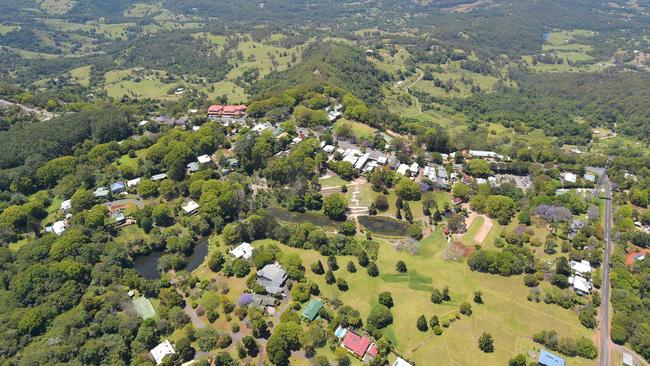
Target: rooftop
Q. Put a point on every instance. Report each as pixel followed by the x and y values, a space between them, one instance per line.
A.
pixel 160 351
pixel 547 358
pixel 190 206
pixel 243 250
pixel 356 344
pixel 312 309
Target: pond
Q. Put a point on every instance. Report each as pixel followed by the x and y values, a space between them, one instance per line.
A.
pixel 313 218
pixel 147 265
pixel 384 225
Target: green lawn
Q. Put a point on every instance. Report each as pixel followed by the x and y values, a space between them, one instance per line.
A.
pixel 506 314
pixel 81 75
pixel 472 230
pixel 360 130
pixel 4 29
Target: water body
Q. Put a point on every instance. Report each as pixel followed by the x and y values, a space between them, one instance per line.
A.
pixel 313 218
pixel 147 265
pixel 384 225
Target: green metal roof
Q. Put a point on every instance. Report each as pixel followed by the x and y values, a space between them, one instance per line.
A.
pixel 312 309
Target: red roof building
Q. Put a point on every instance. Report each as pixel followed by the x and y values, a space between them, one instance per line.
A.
pixel 356 344
pixel 227 110
pixel 372 350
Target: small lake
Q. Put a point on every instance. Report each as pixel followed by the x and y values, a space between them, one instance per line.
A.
pixel 147 265
pixel 313 218
pixel 384 225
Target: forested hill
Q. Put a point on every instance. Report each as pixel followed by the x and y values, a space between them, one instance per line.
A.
pixel 329 63
pixel 615 99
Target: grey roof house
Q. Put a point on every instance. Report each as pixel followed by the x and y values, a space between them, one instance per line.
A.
pixel 272 277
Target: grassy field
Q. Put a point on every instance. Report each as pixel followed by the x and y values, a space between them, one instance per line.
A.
pixel 360 130
pixel 81 75
pixel 57 6
pixel 114 31
pixel 262 56
pixel 4 29
pixel 506 314
pixel 234 92
pixel 472 230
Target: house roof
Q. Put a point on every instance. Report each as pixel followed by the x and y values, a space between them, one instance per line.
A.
pixel 356 344
pixel 116 186
pixel 101 192
pixel 203 159
pixel 192 167
pixel 190 206
pixel 628 360
pixel 372 350
pixel 580 284
pixel 581 267
pixel 243 250
pixel 401 362
pixel 160 351
pixel 312 309
pixel 66 205
pixel 160 176
pixel 58 227
pixel 272 277
pixel 217 108
pixel 133 182
pixel 547 358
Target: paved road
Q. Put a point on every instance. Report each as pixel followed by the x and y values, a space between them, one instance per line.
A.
pixel 604 306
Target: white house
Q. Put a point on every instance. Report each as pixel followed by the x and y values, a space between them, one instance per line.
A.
pixel 190 207
pixel 161 351
pixel 415 169
pixel 569 177
pixel 204 159
pixel 401 362
pixel 58 227
pixel 329 149
pixel 581 268
pixel 244 250
pixel 581 285
pixel 66 205
pixel 133 182
pixel 402 169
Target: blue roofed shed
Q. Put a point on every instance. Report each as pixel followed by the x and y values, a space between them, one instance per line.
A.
pixel 547 358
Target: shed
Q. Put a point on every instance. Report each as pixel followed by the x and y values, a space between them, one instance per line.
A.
pixel 133 182
pixel 401 362
pixel 312 309
pixel 628 359
pixel 203 159
pixel 101 192
pixel 190 207
pixel 547 358
pixel 66 205
pixel 160 176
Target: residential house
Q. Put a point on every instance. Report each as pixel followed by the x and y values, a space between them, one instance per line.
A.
pixel 192 167
pixel 589 177
pixel 157 177
pixel 161 351
pixel 401 362
pixel 226 111
pixel 101 192
pixel 312 309
pixel 59 227
pixel 581 268
pixel 581 285
pixel 329 149
pixel 243 250
pixel 488 155
pixel 547 358
pixel 272 277
pixel 66 206
pixel 393 163
pixel 356 344
pixel 568 177
pixel 361 162
pixel 204 159
pixel 414 169
pixel 118 217
pixel 133 182
pixel 190 207
pixel 118 187
pixel 264 301
pixel 402 169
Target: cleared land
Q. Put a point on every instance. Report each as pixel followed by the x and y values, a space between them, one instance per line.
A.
pixel 506 314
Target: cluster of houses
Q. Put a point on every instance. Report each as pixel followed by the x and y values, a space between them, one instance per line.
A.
pixel 334 113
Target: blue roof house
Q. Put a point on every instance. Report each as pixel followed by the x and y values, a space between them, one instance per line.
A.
pixel 118 187
pixel 547 358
